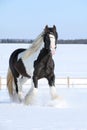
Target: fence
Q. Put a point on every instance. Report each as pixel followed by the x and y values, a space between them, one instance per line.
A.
pixel 59 82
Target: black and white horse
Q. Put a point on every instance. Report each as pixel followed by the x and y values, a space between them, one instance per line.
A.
pixel 35 62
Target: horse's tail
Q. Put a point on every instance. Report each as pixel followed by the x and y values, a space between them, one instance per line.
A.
pixel 10 80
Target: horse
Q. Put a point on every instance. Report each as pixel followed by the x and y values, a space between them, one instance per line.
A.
pixel 36 62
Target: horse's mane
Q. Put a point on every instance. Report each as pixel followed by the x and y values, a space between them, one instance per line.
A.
pixel 36 44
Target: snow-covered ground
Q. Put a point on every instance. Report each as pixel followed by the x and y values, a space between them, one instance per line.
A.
pixel 67 113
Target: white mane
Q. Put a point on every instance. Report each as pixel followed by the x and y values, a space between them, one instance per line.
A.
pixel 34 47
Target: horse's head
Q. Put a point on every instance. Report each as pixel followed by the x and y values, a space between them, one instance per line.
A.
pixel 50 38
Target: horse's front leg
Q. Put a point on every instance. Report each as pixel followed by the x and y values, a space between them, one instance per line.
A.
pixel 21 80
pixel 53 91
pixel 31 95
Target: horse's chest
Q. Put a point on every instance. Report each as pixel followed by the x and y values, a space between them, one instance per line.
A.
pixel 29 64
pixel 43 68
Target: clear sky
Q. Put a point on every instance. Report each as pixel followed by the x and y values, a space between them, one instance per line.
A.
pixel 27 18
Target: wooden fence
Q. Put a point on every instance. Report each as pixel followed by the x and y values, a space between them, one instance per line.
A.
pixel 66 82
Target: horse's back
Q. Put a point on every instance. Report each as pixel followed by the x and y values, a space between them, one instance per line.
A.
pixel 14 55
pixel 13 58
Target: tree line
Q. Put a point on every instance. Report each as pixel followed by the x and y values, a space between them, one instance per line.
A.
pixel 11 41
pixel 15 41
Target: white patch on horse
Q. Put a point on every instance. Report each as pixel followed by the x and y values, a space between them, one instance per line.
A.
pixel 31 96
pixel 20 81
pixel 29 62
pixel 30 55
pixel 52 44
pixel 53 92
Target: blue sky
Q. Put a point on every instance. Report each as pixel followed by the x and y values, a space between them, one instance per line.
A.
pixel 27 18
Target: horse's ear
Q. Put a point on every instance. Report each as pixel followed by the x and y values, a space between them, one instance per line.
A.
pixel 55 31
pixel 46 28
pixel 54 28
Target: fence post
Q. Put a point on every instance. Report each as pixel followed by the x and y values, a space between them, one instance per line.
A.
pixel 68 82
pixel 0 82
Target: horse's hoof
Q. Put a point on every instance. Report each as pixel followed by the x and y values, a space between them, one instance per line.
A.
pixel 26 101
pixel 56 97
pixel 20 96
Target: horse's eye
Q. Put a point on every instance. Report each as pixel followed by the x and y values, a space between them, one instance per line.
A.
pixel 47 39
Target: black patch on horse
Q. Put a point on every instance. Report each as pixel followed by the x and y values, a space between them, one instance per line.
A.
pixel 17 67
pixel 44 67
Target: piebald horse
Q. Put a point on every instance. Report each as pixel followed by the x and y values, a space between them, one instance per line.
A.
pixel 36 62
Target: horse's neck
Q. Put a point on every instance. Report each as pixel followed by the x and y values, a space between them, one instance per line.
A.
pixel 44 54
pixel 35 48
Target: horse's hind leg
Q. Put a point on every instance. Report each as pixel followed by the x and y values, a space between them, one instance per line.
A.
pixel 53 91
pixel 31 95
pixel 15 97
pixel 18 89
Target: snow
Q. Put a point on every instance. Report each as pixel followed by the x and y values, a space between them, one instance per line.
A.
pixel 69 112
pixel 66 113
pixel 70 60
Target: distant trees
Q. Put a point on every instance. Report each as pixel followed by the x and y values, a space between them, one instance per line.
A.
pixel 76 41
pixel 15 41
